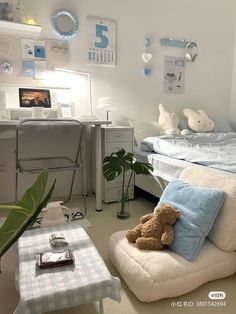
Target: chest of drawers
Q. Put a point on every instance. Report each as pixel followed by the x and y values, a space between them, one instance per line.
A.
pixel 114 138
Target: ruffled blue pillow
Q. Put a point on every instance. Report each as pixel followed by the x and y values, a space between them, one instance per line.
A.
pixel 199 207
pixel 222 125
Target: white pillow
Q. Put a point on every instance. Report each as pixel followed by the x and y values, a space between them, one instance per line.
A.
pixel 223 232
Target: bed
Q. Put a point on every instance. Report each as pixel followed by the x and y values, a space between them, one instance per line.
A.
pixel 170 154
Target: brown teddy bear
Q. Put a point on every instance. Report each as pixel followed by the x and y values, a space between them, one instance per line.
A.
pixel 155 230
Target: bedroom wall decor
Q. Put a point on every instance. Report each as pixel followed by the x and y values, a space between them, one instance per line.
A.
pixel 174 75
pixel 191 47
pixel 6 67
pixel 65 24
pixel 191 52
pixel 147 57
pixel 34 51
pixel 172 42
pixel 5 45
pixel 28 69
pixel 101 41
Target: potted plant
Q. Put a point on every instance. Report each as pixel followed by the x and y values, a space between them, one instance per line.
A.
pixel 119 163
pixel 24 212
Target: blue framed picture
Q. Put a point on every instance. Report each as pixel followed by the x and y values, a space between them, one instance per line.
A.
pixel 28 68
pixel 39 49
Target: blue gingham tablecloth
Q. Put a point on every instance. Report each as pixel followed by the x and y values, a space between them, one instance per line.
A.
pixel 44 290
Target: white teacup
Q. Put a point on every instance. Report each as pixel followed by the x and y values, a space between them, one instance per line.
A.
pixel 39 113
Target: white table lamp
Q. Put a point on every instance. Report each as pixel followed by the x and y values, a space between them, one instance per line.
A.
pixel 107 103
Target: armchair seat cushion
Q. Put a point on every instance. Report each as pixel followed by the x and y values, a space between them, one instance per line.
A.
pixel 153 275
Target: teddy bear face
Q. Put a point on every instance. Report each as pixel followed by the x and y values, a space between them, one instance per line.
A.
pixel 167 214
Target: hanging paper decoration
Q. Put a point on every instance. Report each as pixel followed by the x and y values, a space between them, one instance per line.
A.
pixel 147 57
pixel 146 71
pixel 147 42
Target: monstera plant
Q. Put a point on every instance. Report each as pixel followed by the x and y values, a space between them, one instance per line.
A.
pixel 24 212
pixel 119 163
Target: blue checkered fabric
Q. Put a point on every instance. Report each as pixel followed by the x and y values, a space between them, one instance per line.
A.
pixel 43 290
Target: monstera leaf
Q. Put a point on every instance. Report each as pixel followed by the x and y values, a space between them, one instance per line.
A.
pixel 24 212
pixel 117 163
pixel 142 168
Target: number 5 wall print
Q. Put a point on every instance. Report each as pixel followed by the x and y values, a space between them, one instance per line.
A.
pixel 101 41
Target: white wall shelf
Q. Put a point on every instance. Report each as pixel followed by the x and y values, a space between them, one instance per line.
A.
pixel 32 86
pixel 11 26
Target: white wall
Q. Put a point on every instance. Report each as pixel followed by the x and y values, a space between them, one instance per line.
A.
pixel 208 81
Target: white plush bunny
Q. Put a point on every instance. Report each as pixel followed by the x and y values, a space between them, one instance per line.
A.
pixel 168 121
pixel 198 121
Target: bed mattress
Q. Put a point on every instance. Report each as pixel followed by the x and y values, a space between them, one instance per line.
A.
pixel 166 167
pixel 215 150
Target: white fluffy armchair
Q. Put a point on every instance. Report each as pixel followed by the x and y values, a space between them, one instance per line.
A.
pixel 153 275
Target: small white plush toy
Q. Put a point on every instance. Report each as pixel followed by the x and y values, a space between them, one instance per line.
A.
pixel 198 121
pixel 168 121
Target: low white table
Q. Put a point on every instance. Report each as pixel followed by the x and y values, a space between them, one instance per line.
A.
pixel 44 290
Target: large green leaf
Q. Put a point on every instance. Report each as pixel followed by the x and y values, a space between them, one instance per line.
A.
pixel 24 212
pixel 116 163
pixel 120 162
pixel 142 168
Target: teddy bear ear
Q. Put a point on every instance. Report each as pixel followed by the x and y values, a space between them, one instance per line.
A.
pixel 189 113
pixel 178 213
pixel 155 209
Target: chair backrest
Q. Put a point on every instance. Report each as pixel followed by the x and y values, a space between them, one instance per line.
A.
pixel 24 212
pixel 48 137
pixel 223 232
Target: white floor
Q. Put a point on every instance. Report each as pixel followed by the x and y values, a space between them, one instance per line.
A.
pixel 103 225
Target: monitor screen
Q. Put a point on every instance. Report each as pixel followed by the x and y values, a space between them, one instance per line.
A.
pixel 34 98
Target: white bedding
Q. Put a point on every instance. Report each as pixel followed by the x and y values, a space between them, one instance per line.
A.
pixel 215 150
pixel 166 167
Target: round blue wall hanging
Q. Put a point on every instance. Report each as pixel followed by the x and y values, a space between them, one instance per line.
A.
pixel 65 24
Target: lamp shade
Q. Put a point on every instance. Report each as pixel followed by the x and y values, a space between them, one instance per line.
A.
pixel 106 102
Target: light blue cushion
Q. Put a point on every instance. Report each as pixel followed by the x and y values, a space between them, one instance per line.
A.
pixel 199 207
pixel 222 125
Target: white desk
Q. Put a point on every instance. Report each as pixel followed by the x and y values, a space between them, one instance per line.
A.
pixel 98 157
